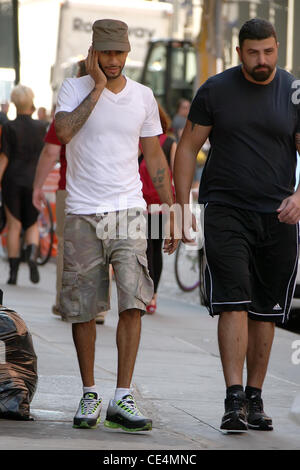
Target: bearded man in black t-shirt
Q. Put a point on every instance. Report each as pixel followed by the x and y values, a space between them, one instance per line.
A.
pixel 251 115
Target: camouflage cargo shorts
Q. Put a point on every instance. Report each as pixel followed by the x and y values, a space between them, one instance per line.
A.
pixel 91 243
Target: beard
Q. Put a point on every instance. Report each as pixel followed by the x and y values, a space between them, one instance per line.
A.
pixel 108 76
pixel 260 75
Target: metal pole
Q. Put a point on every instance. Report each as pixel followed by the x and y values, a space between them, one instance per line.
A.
pixel 175 20
pixel 253 9
pixel 15 4
pixel 290 36
pixel 219 36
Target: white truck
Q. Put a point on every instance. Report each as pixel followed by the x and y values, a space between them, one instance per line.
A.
pixel 146 20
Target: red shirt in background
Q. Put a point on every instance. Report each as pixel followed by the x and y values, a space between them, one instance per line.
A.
pixel 51 138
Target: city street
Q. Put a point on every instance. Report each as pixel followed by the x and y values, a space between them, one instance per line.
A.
pixel 101 101
pixel 178 379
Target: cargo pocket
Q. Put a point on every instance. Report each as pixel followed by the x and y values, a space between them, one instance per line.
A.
pixel 145 284
pixel 70 296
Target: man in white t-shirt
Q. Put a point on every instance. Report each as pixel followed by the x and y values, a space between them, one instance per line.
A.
pixel 102 117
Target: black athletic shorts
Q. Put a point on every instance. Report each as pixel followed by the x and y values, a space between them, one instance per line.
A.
pixel 251 262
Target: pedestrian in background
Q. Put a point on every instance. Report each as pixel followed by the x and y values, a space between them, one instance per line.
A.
pixel 53 151
pixel 43 117
pixel 101 118
pixel 155 235
pixel 3 113
pixel 3 117
pixel 179 120
pixel 21 144
pixel 251 211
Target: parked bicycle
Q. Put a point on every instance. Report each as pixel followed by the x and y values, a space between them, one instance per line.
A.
pixel 46 231
pixel 189 261
pixel 189 269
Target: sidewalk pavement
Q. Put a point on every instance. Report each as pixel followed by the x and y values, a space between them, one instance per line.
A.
pixel 178 379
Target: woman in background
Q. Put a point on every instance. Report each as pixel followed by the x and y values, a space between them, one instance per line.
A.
pixel 21 144
pixel 155 219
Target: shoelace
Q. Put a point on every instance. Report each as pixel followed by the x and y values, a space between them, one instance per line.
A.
pixel 89 405
pixel 130 403
pixel 256 404
pixel 235 403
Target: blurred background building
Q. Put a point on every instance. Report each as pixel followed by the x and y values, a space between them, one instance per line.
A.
pixel 176 44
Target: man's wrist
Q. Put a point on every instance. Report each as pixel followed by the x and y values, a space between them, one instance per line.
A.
pixel 99 87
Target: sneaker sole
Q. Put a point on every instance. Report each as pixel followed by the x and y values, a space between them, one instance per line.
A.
pixel 260 427
pixel 233 431
pixel 236 427
pixel 112 425
pixel 85 425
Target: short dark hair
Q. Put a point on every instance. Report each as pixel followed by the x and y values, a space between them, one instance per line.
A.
pixel 257 28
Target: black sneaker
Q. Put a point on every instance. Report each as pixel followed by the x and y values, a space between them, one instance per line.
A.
pixel 235 417
pixel 257 418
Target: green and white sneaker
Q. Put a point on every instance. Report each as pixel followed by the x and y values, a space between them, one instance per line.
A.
pixel 125 414
pixel 88 413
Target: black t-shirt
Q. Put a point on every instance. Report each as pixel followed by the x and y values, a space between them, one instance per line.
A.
pixel 252 160
pixel 22 141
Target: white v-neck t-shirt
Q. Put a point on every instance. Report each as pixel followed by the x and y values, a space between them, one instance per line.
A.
pixel 102 158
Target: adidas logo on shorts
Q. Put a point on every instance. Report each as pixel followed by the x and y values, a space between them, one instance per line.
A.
pixel 277 307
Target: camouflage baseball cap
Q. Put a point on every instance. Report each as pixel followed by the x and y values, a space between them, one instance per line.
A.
pixel 110 35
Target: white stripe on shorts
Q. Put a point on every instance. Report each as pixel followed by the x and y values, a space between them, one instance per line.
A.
pixel 287 313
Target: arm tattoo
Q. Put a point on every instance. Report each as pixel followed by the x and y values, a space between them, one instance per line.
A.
pixel 158 180
pixel 297 140
pixel 74 120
